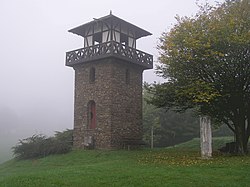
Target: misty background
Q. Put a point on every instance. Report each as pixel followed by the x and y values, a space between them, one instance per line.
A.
pixel 36 88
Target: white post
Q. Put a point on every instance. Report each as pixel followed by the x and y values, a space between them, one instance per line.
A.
pixel 205 137
pixel 152 137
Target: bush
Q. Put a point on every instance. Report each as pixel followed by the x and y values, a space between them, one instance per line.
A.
pixel 40 146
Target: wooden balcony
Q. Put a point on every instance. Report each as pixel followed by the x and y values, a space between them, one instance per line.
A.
pixel 109 49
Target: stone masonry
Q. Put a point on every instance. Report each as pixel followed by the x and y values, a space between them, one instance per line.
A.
pixel 117 93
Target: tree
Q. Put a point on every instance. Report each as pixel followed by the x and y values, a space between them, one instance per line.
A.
pixel 206 61
pixel 150 122
pixel 169 128
pixel 40 146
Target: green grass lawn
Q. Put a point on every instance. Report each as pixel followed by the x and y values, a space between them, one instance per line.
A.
pixel 172 167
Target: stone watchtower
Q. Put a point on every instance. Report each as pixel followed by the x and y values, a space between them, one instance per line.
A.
pixel 108 83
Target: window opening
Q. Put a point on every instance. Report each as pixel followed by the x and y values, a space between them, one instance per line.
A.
pixel 97 38
pixel 92 75
pixel 124 39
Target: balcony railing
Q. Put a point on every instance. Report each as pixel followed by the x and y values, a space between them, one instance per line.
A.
pixel 109 49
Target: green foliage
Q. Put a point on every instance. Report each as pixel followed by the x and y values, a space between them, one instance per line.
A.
pixel 160 167
pixel 206 60
pixel 170 128
pixel 40 146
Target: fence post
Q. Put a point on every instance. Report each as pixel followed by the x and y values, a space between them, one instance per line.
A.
pixel 205 137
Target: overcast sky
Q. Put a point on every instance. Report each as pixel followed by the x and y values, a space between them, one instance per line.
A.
pixel 36 87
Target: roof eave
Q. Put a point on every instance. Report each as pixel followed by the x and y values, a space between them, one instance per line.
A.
pixel 80 29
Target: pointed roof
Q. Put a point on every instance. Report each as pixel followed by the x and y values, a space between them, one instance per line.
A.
pixel 111 20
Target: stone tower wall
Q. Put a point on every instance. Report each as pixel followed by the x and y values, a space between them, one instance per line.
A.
pixel 118 102
pixel 126 111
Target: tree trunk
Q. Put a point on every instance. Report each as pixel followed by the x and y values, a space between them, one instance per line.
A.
pixel 241 140
pixel 241 132
pixel 206 137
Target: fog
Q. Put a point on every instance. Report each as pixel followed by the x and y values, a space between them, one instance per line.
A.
pixel 37 88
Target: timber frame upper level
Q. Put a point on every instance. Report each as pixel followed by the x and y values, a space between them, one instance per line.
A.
pixel 109 36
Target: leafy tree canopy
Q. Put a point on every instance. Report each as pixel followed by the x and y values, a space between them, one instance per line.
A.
pixel 206 61
pixel 169 128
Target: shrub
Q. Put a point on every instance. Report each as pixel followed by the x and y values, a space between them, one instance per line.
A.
pixel 40 146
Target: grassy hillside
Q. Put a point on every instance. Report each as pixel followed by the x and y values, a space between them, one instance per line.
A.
pixel 160 167
pixel 194 144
